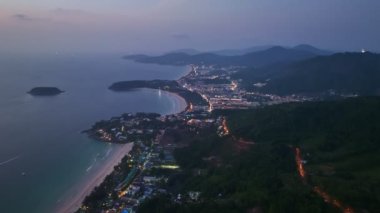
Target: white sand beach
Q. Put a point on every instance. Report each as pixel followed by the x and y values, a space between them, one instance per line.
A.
pixel 179 103
pixel 72 204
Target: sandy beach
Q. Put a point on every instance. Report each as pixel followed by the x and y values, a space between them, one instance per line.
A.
pixel 72 204
pixel 179 103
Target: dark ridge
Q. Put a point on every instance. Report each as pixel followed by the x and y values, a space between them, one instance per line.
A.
pixel 273 55
pixel 344 73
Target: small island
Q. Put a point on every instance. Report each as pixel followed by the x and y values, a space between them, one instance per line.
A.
pixel 45 91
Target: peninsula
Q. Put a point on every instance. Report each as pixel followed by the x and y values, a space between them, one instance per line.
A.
pixel 45 91
pixel 165 85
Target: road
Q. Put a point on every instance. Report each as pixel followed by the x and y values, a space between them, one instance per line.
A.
pixel 318 190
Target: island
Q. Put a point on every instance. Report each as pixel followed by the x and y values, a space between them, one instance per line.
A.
pixel 45 91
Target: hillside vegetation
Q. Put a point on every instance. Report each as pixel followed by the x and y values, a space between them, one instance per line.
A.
pixel 339 141
pixel 343 73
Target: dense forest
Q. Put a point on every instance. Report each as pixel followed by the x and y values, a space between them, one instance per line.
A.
pixel 343 73
pixel 255 170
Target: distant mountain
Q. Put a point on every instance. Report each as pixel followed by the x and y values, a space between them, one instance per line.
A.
pixel 233 52
pixel 343 73
pixel 311 49
pixel 273 55
pixel 266 57
pixel 236 52
pixel 223 52
pixel 188 51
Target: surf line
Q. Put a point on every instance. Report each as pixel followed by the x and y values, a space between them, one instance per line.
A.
pixel 9 160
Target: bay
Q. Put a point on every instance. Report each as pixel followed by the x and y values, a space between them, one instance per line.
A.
pixel 42 152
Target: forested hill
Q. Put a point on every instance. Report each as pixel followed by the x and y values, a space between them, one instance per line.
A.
pixel 340 142
pixel 254 169
pixel 291 123
pixel 348 73
pixel 266 57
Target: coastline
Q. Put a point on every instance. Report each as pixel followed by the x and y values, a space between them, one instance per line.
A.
pixel 183 106
pixel 180 104
pixel 75 202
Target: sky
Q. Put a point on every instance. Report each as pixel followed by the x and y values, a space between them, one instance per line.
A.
pixel 153 26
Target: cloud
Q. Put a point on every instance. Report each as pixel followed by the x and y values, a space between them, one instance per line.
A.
pixel 24 17
pixel 181 36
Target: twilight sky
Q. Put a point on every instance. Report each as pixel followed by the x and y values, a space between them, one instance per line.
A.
pixel 133 26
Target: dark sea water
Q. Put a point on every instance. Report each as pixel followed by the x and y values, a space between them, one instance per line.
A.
pixel 40 136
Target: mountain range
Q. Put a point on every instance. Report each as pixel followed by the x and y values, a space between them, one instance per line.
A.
pixel 343 73
pixel 257 58
pixel 235 52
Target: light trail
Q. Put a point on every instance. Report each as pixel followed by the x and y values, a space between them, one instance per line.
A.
pixel 234 85
pixel 210 107
pixel 324 195
pixel 191 107
pixel 225 127
pixel 329 199
pixel 300 167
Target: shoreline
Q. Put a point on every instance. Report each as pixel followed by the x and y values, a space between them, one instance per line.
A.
pixel 180 103
pixel 75 202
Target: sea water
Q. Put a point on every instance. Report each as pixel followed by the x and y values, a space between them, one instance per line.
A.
pixel 42 151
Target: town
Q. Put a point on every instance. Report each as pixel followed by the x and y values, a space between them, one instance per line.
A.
pixel 216 85
pixel 145 171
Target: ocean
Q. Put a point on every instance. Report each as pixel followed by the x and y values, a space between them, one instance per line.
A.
pixel 43 153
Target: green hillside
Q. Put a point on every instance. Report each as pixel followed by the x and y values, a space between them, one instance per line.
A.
pixel 343 73
pixel 339 141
